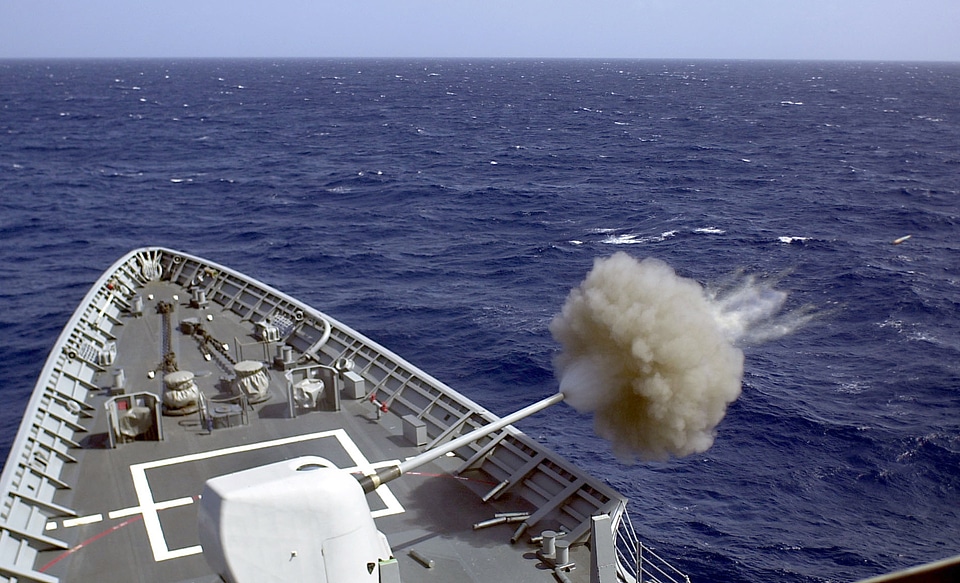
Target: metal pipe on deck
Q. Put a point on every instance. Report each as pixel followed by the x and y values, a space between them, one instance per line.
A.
pixel 384 475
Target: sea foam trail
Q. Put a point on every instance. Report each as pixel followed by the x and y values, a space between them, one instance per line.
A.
pixel 651 355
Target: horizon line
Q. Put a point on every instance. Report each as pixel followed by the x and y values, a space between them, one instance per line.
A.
pixel 481 58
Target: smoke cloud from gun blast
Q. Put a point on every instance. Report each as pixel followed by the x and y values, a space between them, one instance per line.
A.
pixel 653 356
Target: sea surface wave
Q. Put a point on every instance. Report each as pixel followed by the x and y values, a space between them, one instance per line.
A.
pixel 446 208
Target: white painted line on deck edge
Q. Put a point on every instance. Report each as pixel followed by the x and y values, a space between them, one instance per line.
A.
pixel 82 520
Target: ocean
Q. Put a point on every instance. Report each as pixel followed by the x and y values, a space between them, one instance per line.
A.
pixel 446 208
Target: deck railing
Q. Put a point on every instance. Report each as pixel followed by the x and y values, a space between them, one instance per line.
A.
pixel 637 563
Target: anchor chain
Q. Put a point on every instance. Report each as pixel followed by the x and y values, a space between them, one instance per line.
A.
pixel 205 339
pixel 169 356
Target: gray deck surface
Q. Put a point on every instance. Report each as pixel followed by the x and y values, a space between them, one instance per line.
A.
pixel 125 534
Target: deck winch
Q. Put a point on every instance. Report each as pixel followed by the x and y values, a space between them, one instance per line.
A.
pixel 180 395
pixel 251 380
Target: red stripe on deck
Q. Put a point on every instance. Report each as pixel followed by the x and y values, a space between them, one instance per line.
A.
pixel 89 541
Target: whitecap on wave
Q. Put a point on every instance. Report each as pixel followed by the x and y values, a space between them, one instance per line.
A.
pixel 911 329
pixel 789 240
pixel 637 239
pixel 853 387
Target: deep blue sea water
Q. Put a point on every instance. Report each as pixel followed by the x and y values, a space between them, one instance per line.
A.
pixel 446 209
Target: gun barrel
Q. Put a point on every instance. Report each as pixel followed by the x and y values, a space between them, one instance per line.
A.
pixel 384 475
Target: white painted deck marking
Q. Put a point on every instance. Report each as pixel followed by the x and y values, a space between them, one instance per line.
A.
pixel 149 507
pixel 124 512
pixel 71 522
pixel 82 520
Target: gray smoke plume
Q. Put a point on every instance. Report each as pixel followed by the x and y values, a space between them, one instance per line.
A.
pixel 645 352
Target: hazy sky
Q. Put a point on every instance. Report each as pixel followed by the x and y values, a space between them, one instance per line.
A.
pixel 726 29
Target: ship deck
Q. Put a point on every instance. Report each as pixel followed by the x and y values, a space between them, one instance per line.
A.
pixel 83 505
pixel 136 505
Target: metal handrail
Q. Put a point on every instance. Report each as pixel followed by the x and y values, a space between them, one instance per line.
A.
pixel 637 563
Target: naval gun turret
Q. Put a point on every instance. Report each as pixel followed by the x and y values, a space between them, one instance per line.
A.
pixel 305 519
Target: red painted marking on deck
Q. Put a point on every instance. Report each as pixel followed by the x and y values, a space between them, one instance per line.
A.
pixel 90 541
